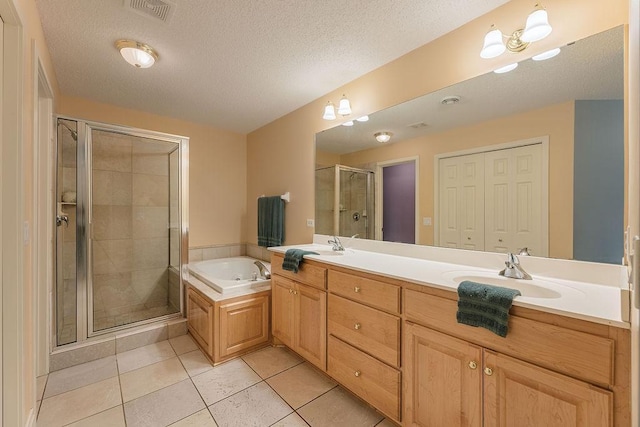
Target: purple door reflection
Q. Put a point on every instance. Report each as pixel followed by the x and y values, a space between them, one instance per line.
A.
pixel 399 203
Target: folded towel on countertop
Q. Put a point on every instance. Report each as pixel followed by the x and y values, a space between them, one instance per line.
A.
pixel 270 221
pixel 293 258
pixel 485 305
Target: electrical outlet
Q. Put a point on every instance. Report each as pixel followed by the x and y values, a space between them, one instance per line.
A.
pixel 310 223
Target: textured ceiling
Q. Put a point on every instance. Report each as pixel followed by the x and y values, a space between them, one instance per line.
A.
pixel 592 68
pixel 238 64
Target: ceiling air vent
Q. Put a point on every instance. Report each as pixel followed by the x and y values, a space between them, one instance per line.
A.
pixel 161 10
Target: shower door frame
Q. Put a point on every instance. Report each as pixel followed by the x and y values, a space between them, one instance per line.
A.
pixel 84 283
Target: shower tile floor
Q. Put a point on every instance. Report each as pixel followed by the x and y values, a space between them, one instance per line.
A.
pixel 172 383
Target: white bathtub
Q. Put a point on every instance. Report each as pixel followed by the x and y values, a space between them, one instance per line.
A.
pixel 227 275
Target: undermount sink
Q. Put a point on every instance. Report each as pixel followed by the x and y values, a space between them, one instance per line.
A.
pixel 535 288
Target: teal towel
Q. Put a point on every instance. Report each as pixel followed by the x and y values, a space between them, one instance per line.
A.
pixel 485 305
pixel 270 221
pixel 293 258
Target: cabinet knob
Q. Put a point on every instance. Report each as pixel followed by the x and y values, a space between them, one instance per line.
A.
pixel 473 364
pixel 357 326
pixel 500 240
pixel 488 371
pixel 290 291
pixel 356 373
pixel 356 289
pixel 468 238
pixel 295 292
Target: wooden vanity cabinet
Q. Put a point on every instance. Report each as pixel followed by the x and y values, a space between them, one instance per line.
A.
pixel 364 326
pixel 541 374
pixel 299 310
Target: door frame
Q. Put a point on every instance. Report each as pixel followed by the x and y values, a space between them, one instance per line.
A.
pixel 543 140
pixel 378 193
pixel 42 230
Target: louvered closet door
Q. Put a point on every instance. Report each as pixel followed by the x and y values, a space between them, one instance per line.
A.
pixel 513 207
pixel 461 204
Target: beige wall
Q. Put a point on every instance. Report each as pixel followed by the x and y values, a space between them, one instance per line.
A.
pixel 288 143
pixel 556 121
pixel 217 168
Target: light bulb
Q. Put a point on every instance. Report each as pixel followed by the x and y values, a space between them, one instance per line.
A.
pixel 537 26
pixel 546 55
pixel 329 111
pixel 344 108
pixel 506 68
pixel 349 123
pixel 363 119
pixel 382 137
pixel 493 44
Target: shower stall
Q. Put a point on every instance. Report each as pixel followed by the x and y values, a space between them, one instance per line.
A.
pixel 121 235
pixel 344 202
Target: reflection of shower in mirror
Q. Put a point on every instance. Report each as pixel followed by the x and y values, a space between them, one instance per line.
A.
pixel 345 204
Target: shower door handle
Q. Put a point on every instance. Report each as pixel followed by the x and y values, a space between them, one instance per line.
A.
pixel 60 218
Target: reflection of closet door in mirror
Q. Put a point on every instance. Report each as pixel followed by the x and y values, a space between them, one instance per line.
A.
pixel 513 207
pixel 461 203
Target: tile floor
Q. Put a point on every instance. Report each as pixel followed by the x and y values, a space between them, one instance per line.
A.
pixel 171 383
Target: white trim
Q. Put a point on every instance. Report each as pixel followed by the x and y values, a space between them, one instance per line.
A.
pixel 543 140
pixel 42 225
pixel 31 418
pixel 12 216
pixel 378 194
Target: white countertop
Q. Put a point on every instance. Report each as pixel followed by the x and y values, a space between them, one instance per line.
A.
pixel 580 300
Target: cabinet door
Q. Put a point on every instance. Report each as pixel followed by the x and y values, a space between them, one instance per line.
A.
pixel 243 324
pixel 442 379
pixel 519 394
pixel 282 308
pixel 200 320
pixel 311 324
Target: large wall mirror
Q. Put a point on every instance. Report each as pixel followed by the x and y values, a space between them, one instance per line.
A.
pixel 534 157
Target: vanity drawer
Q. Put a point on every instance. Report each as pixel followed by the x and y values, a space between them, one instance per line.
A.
pixel 384 296
pixel 365 376
pixel 578 354
pixel 368 329
pixel 308 274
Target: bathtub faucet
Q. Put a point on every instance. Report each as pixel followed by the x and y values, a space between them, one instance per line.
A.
pixel 266 274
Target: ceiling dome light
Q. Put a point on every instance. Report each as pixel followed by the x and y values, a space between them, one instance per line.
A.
pixel 138 54
pixel 349 123
pixel 329 111
pixel 506 68
pixel 546 55
pixel 450 100
pixel 493 44
pixel 344 108
pixel 383 137
pixel 537 26
pixel 363 119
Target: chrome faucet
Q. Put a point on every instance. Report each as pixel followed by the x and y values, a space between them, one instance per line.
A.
pixel 336 244
pixel 513 269
pixel 264 272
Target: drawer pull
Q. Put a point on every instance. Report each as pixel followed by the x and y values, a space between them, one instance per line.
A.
pixel 357 326
pixel 473 364
pixel 488 371
pixel 356 289
pixel 356 373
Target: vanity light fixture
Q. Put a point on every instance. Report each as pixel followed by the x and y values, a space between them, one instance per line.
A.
pixel 348 124
pixel 363 119
pixel 506 68
pixel 344 109
pixel 536 28
pixel 140 55
pixel 546 55
pixel 383 137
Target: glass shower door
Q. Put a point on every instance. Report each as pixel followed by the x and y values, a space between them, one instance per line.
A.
pixel 134 186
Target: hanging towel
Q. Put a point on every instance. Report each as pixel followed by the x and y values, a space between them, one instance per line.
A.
pixel 485 305
pixel 293 258
pixel 270 221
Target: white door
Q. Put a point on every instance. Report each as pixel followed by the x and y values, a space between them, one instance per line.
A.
pixel 461 204
pixel 514 200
